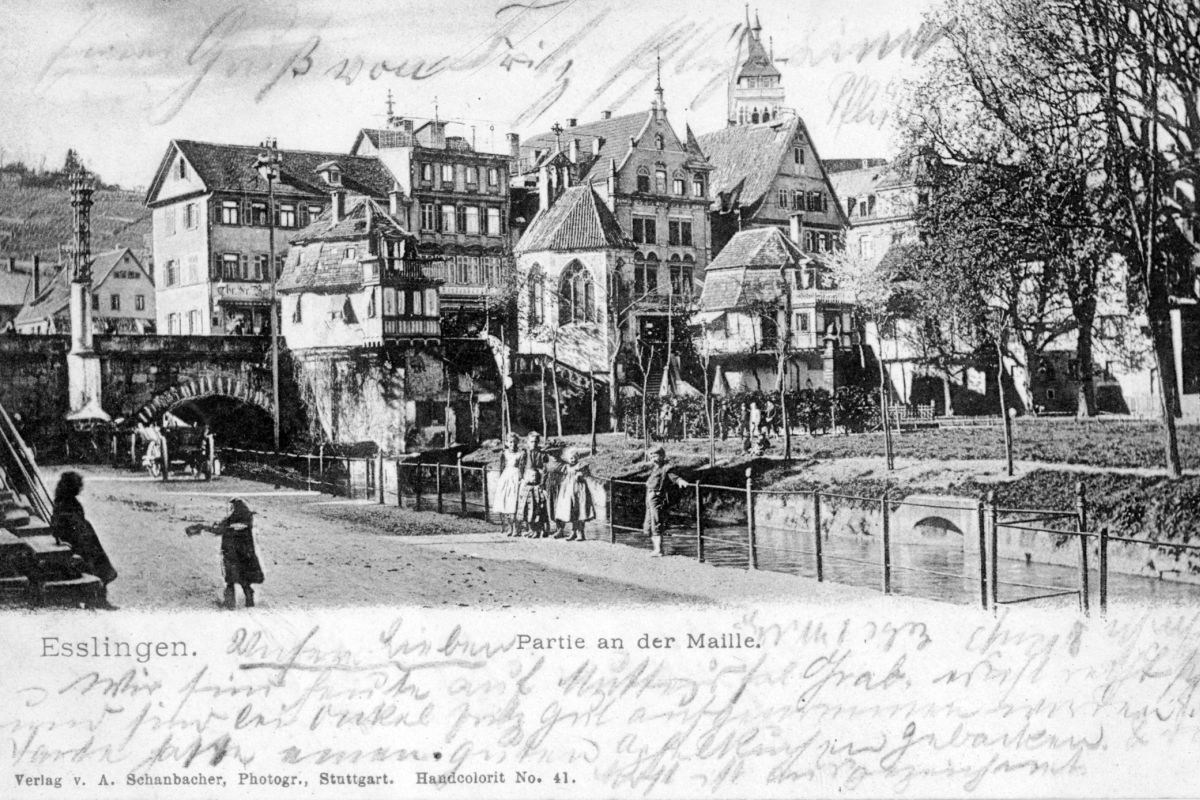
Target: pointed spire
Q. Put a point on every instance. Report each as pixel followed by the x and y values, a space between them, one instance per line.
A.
pixel 660 105
pixel 391 106
pixel 757 24
pixel 747 16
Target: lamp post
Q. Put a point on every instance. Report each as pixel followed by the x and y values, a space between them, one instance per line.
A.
pixel 268 166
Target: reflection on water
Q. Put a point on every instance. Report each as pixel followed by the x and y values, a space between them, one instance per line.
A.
pixel 932 571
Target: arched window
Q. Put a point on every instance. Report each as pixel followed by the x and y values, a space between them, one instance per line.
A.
pixel 576 295
pixel 688 275
pixel 643 179
pixel 676 271
pixel 640 281
pixel 537 296
pixel 658 141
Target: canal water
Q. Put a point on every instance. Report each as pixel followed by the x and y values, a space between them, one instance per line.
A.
pixel 931 571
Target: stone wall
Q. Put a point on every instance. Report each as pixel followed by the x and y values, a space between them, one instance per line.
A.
pixel 33 380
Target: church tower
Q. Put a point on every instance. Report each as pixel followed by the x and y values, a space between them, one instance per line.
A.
pixel 755 92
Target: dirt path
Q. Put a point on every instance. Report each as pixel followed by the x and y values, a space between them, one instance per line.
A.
pixel 319 551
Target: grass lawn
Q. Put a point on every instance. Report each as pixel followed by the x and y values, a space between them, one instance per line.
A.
pixel 1104 444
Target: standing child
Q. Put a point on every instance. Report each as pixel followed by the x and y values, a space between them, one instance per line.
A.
pixel 533 508
pixel 239 560
pixel 574 502
pixel 513 465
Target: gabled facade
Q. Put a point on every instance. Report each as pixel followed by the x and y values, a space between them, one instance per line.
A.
pixel 123 298
pixel 765 164
pixel 210 227
pixel 455 198
pixel 757 291
pixel 654 182
pixel 353 278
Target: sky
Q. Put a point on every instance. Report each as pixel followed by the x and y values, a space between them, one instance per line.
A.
pixel 118 80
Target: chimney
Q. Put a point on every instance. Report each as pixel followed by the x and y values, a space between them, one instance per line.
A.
pixel 514 153
pixel 544 195
pixel 606 114
pixel 37 274
pixel 394 203
pixel 337 208
pixel 796 228
pixel 597 143
pixel 573 151
pixel 437 135
pixel 572 122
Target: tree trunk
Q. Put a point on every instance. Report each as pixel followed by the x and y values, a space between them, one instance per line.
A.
pixel 545 421
pixel 1085 319
pixel 593 388
pixel 1005 419
pixel 884 404
pixel 614 400
pixel 557 394
pixel 708 412
pixel 947 396
pixel 1164 357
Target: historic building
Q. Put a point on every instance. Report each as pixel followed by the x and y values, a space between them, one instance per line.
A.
pixel 456 199
pixel 123 298
pixel 765 163
pixel 636 223
pixel 211 227
pixel 362 321
pixel 765 298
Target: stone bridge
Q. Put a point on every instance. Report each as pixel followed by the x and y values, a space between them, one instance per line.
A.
pixel 141 377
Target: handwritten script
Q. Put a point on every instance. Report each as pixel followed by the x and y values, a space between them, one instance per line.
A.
pixel 867 703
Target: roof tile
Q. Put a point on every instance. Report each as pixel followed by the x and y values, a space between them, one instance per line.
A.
pixel 578 220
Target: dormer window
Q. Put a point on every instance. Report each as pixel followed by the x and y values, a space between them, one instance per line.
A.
pixel 334 176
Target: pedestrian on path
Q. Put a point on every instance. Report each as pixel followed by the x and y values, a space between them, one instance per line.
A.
pixel 658 498
pixel 69 525
pixel 513 461
pixel 574 500
pixel 239 559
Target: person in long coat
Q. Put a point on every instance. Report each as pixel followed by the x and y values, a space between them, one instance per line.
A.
pixel 239 559
pixel 573 503
pixel 658 498
pixel 69 525
pixel 508 488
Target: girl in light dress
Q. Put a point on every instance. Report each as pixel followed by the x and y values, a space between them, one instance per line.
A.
pixel 508 488
pixel 533 508
pixel 573 504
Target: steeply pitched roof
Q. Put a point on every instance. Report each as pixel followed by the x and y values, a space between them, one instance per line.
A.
pixel 230 168
pixel 747 269
pixel 55 294
pixel 614 134
pixel 578 220
pixel 757 62
pixel 758 248
pixel 746 158
pixel 318 263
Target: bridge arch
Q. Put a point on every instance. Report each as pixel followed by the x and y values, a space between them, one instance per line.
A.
pixel 199 388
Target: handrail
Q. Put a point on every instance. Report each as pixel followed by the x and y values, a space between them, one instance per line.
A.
pixel 35 488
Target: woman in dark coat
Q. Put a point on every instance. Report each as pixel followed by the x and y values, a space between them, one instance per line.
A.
pixel 70 526
pixel 238 556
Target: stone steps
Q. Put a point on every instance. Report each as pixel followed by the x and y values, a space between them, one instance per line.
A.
pixel 86 591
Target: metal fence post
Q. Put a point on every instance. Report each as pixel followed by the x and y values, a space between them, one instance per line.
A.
pixel 817 536
pixel 699 526
pixel 483 473
pixel 886 530
pixel 750 534
pixel 349 479
pixel 983 560
pixel 321 464
pixel 399 483
pixel 308 471
pixel 379 475
pixel 166 460
pixel 1103 571
pixel 612 531
pixel 462 489
pixel 418 485
pixel 133 459
pixel 994 555
pixel 1081 529
pixel 437 483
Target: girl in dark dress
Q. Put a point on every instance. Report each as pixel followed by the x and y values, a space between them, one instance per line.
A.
pixel 238 557
pixel 69 525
